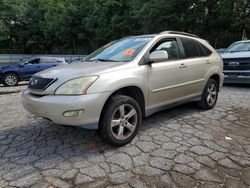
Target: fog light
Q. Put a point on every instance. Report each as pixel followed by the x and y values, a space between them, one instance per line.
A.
pixel 73 113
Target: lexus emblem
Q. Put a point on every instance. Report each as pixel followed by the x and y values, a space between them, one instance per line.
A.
pixel 33 81
pixel 233 64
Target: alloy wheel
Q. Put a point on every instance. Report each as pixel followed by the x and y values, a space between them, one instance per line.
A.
pixel 124 121
pixel 11 80
pixel 211 94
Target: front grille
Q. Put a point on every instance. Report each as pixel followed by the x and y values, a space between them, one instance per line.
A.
pixel 38 83
pixel 237 64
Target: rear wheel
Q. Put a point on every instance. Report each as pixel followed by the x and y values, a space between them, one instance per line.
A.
pixel 10 79
pixel 120 120
pixel 210 95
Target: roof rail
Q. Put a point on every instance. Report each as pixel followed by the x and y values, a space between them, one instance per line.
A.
pixel 179 33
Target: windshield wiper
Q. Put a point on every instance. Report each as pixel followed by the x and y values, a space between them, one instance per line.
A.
pixel 103 60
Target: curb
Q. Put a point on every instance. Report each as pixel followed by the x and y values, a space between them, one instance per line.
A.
pixel 9 92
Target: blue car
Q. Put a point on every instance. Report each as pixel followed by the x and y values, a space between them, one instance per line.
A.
pixel 10 75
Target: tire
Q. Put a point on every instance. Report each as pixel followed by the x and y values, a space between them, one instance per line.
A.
pixel 125 113
pixel 10 79
pixel 209 95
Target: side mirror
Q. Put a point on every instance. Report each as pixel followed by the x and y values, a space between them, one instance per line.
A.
pixel 21 64
pixel 157 56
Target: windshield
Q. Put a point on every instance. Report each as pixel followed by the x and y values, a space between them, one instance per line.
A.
pixel 123 50
pixel 239 47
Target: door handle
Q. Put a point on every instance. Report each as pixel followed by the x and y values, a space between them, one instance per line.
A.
pixel 183 66
pixel 208 62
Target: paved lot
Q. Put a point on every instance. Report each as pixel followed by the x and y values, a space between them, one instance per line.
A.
pixel 181 147
pixel 16 89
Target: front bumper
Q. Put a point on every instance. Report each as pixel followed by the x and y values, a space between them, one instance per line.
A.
pixel 238 79
pixel 52 107
pixel 237 76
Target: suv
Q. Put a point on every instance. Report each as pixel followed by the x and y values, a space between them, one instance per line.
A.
pixel 10 75
pixel 237 62
pixel 125 81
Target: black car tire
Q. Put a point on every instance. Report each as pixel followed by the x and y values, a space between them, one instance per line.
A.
pixel 107 132
pixel 207 94
pixel 10 79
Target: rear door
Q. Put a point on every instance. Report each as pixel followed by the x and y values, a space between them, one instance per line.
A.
pixel 198 62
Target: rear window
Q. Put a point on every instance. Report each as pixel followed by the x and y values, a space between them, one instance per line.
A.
pixel 207 51
pixel 194 49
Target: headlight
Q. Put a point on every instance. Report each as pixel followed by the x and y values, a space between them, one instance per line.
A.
pixel 77 86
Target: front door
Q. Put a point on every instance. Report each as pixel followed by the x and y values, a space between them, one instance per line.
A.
pixel 167 79
pixel 30 68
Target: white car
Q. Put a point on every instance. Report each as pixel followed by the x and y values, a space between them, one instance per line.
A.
pixel 237 62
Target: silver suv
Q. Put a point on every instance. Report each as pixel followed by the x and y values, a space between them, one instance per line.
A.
pixel 126 80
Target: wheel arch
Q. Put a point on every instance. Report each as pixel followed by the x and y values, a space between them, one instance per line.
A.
pixel 216 77
pixel 132 91
pixel 13 72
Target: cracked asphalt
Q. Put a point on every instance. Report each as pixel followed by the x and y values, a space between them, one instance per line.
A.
pixel 179 147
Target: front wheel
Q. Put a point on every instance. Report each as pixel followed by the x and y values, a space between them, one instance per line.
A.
pixel 210 95
pixel 10 79
pixel 120 120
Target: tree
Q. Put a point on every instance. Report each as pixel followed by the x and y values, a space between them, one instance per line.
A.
pixel 81 26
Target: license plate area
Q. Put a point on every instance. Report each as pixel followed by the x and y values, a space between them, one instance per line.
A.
pixel 233 75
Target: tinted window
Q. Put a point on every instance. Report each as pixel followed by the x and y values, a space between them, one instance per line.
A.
pixel 33 61
pixel 200 50
pixel 170 46
pixel 206 51
pixel 190 48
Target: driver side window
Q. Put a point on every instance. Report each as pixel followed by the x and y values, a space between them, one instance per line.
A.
pixel 170 46
pixel 34 61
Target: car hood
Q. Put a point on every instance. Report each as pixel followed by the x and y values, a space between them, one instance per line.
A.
pixel 70 71
pixel 67 72
pixel 9 66
pixel 235 55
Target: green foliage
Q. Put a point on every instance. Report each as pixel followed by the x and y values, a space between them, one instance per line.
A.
pixel 81 26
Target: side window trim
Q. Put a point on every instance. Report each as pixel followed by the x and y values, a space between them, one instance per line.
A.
pixel 182 51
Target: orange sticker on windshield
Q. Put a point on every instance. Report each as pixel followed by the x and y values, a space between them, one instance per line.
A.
pixel 129 52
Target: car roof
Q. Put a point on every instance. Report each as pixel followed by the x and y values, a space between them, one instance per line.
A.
pixel 142 36
pixel 242 41
pixel 165 33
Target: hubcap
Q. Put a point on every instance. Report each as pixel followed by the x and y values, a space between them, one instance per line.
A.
pixel 124 121
pixel 11 80
pixel 211 94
